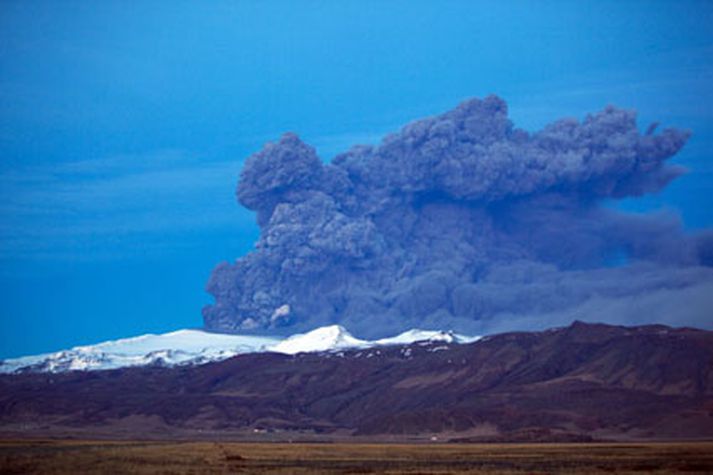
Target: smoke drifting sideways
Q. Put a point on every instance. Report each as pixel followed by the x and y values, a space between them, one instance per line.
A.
pixel 462 221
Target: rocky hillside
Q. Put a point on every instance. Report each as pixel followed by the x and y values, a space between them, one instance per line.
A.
pixel 582 382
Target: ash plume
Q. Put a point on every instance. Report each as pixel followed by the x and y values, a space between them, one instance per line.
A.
pixel 463 221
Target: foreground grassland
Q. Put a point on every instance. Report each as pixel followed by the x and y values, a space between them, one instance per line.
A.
pixel 97 457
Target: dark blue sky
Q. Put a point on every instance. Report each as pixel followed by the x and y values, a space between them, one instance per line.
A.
pixel 123 126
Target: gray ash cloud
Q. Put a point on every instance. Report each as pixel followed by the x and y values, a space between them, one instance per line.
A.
pixel 463 221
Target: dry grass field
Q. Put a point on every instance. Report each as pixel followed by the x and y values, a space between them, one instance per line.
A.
pixel 101 457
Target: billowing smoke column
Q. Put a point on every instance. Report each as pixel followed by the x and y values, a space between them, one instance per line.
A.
pixel 462 221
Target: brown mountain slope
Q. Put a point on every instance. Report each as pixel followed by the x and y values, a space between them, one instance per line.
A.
pixel 583 381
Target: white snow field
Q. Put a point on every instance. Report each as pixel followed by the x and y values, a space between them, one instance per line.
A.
pixel 192 347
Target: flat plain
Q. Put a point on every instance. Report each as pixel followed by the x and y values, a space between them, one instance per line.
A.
pixel 137 457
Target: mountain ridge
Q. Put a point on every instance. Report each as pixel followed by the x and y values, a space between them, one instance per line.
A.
pixel 195 347
pixel 582 382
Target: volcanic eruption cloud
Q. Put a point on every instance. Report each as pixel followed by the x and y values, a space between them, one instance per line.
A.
pixel 463 222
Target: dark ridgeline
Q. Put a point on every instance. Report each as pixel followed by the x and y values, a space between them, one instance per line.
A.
pixel 463 221
pixel 582 382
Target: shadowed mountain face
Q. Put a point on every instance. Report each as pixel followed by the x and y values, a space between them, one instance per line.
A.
pixel 583 381
pixel 463 221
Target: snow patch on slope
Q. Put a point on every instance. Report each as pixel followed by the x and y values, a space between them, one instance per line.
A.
pixel 415 335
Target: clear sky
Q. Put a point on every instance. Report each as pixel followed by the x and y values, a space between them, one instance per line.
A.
pixel 123 125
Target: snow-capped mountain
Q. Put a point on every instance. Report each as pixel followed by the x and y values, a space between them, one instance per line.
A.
pixel 169 349
pixel 192 347
pixel 334 337
pixel 555 385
